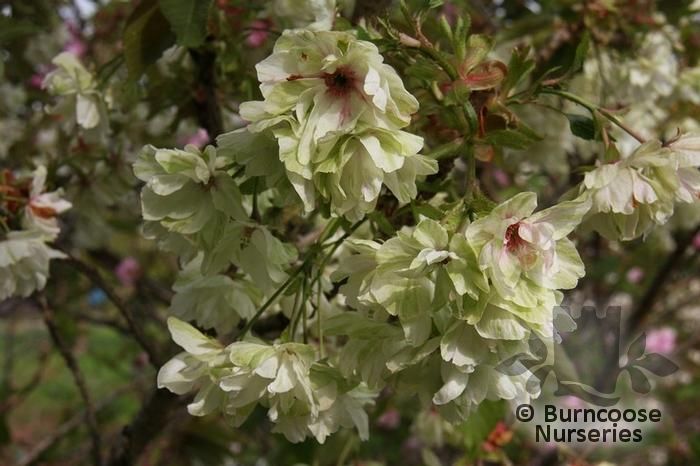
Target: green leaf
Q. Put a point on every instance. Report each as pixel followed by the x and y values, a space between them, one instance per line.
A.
pixel 426 210
pixel 382 222
pixel 580 55
pixel 479 425
pixel 576 61
pixel 581 126
pixel 454 216
pixel 188 20
pixel 519 66
pixel 515 139
pixel 146 36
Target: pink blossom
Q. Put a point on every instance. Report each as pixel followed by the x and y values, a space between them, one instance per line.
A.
pixel 390 419
pixel 128 271
pixel 696 241
pixel 259 32
pixel 635 275
pixel 572 402
pixel 661 340
pixel 500 177
pixel 37 80
pixel 75 45
pixel 199 139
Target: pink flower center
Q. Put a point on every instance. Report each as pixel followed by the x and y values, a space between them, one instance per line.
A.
pixel 513 239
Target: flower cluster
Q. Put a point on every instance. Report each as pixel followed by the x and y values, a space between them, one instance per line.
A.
pixel 478 293
pixel 193 206
pixel 303 397
pixel 336 111
pixel 631 195
pixel 28 216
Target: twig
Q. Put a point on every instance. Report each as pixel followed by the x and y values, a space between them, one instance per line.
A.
pixel 274 297
pixel 66 428
pixel 665 273
pixel 645 306
pixel 147 424
pixel 72 364
pixel 95 277
pixel 594 108
pixel 206 103
pixel 17 394
pixel 113 324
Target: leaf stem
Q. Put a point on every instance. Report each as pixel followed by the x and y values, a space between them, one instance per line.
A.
pixel 471 170
pixel 595 108
pixel 274 297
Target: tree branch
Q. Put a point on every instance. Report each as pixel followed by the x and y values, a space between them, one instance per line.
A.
pixel 66 428
pixel 206 103
pixel 72 364
pixel 146 426
pixel 646 304
pixel 95 277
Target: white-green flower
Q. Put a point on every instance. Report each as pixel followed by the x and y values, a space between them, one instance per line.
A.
pixel 471 371
pixel 336 111
pixel 349 173
pixel 315 15
pixel 197 368
pixel 330 81
pixel 187 190
pixel 686 150
pixel 633 194
pixel 24 263
pixel 340 405
pixel 525 253
pixel 70 79
pixel 303 397
pixel 253 249
pixel 215 302
pixel 375 286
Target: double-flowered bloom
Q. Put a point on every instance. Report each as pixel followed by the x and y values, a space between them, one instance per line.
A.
pixel 631 195
pixel 481 290
pixel 303 397
pixel 337 111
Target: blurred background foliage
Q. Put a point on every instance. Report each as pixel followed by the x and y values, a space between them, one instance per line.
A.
pixel 166 94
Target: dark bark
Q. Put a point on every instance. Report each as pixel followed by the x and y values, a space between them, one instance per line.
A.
pixel 205 101
pixel 154 416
